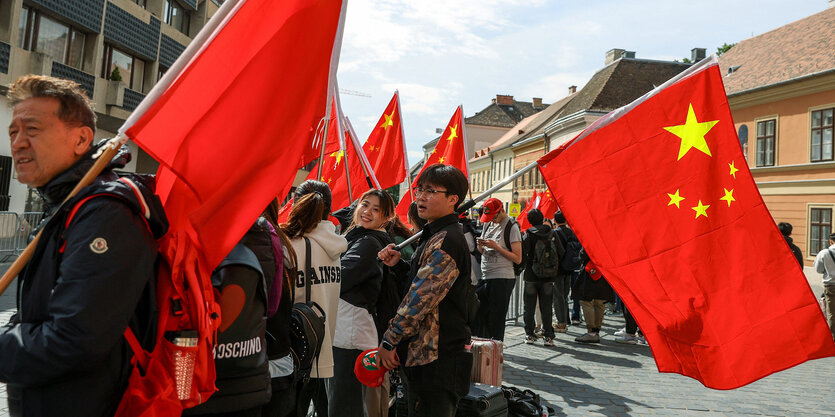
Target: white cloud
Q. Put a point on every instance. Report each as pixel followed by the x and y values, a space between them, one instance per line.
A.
pixel 425 100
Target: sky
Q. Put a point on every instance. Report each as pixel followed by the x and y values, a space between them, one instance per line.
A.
pixel 443 53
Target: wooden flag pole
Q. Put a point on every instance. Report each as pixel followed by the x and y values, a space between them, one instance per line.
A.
pixel 105 155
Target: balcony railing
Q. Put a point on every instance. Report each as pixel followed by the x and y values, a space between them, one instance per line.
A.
pixel 5 49
pixel 87 81
pixel 132 99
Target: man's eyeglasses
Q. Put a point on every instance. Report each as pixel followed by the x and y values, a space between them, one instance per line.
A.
pixel 427 191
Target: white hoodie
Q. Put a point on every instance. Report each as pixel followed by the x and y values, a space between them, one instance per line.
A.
pixel 325 248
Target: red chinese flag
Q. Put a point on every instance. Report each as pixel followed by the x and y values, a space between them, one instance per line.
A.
pixel 333 170
pixel 547 204
pixel 451 149
pixel 230 129
pixel 386 148
pixel 522 218
pixel 661 197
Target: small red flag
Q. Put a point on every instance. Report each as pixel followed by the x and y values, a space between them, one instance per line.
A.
pixel 660 196
pixel 522 218
pixel 547 204
pixel 451 149
pixel 386 148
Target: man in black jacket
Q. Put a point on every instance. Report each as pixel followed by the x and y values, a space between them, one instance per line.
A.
pixel 430 329
pixel 786 231
pixel 540 242
pixel 64 353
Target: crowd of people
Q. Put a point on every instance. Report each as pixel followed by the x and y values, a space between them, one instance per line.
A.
pixel 418 306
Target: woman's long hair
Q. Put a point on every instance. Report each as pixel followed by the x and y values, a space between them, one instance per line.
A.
pixel 271 214
pixel 310 206
pixel 386 207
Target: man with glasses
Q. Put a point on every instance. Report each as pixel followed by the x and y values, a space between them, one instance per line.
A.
pixel 430 329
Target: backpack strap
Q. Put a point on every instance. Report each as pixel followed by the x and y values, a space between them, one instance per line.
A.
pixel 308 271
pixel 506 232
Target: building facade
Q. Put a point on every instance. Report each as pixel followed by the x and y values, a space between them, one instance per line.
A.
pixel 781 90
pixel 115 49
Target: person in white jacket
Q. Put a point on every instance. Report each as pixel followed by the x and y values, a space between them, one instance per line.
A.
pixel 309 219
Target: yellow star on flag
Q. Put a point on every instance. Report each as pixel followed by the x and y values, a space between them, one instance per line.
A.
pixel 388 122
pixel 441 160
pixel 729 196
pixel 675 199
pixel 453 133
pixel 338 156
pixel 701 209
pixel 692 134
pixel 733 169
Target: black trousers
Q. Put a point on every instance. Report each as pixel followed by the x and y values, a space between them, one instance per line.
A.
pixel 346 396
pixel 494 298
pixel 313 390
pixel 542 291
pixel 434 389
pixel 631 324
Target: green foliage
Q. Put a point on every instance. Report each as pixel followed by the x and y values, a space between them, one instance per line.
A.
pixel 724 48
pixel 394 192
pixel 116 75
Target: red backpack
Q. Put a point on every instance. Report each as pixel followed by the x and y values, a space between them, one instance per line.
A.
pixel 178 370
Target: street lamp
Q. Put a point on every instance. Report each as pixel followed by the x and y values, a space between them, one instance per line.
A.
pixel 516 196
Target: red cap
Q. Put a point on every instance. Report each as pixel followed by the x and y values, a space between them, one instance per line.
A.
pixel 367 370
pixel 489 209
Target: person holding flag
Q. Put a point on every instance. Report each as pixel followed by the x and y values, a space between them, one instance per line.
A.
pixel 430 330
pixel 93 261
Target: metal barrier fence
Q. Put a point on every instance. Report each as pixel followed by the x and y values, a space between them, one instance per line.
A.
pixel 516 307
pixel 9 223
pixel 15 231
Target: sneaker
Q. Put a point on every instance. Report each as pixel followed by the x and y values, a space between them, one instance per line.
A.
pixel 529 339
pixel 549 342
pixel 560 328
pixel 627 339
pixel 588 338
pixel 620 332
pixel 641 340
pixel 538 332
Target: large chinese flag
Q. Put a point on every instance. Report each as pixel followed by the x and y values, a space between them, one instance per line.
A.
pixel 451 149
pixel 386 148
pixel 660 196
pixel 231 126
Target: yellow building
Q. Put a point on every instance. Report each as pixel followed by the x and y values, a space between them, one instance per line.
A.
pixel 781 89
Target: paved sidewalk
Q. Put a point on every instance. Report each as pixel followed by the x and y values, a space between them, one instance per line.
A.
pixel 611 379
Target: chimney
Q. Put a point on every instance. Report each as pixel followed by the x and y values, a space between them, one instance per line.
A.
pixel 613 55
pixel 504 100
pixel 537 102
pixel 572 90
pixel 697 54
pixel 438 130
pixel 628 54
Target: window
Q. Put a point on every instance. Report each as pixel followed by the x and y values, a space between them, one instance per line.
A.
pixel 139 2
pixel 120 65
pixel 161 72
pixel 765 143
pixel 820 226
pixel 177 16
pixel 56 40
pixel 822 135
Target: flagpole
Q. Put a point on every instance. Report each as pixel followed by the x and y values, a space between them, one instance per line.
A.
pixel 466 151
pixel 405 151
pixel 104 156
pixel 469 204
pixel 366 166
pixel 337 49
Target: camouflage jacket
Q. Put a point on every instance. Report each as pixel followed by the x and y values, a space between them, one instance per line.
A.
pixel 432 318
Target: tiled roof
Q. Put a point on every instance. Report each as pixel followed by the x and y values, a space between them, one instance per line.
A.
pixel 798 49
pixel 529 126
pixel 620 83
pixel 503 115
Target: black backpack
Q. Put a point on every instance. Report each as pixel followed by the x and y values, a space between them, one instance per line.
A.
pixel 525 403
pixel 546 259
pixel 517 268
pixel 571 261
pixel 307 327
